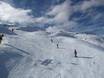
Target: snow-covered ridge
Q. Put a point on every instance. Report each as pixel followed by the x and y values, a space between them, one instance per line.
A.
pixel 97 40
pixel 94 39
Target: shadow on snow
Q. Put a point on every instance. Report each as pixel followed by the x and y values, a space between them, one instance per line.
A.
pixel 4 58
pixel 18 49
pixel 84 57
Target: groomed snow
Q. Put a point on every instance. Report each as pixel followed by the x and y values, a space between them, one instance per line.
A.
pixel 33 55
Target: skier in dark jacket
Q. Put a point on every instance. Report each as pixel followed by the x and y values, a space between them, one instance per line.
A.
pixel 57 45
pixel 75 53
pixel 1 37
pixel 12 30
pixel 51 40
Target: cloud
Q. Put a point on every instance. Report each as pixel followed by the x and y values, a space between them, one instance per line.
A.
pixel 95 14
pixel 14 15
pixel 84 5
pixel 61 12
pixel 58 16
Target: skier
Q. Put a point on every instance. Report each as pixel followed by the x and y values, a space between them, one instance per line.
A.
pixel 75 53
pixel 1 37
pixel 52 40
pixel 57 45
pixel 0 40
pixel 12 30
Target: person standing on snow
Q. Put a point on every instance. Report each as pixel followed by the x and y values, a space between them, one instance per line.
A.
pixel 51 40
pixel 1 37
pixel 75 53
pixel 57 45
pixel 12 30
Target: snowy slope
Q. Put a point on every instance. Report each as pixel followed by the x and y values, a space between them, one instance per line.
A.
pixel 97 40
pixel 33 55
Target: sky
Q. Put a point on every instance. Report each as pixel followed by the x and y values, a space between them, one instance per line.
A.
pixel 63 14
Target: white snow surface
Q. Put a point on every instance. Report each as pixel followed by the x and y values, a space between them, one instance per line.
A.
pixel 33 55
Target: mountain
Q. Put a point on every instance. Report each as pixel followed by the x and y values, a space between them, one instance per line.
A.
pixel 42 38
pixel 33 55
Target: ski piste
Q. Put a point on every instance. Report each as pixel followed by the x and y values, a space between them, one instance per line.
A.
pixel 51 38
pixel 33 52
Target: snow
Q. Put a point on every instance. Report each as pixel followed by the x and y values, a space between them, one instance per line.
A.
pixel 33 55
